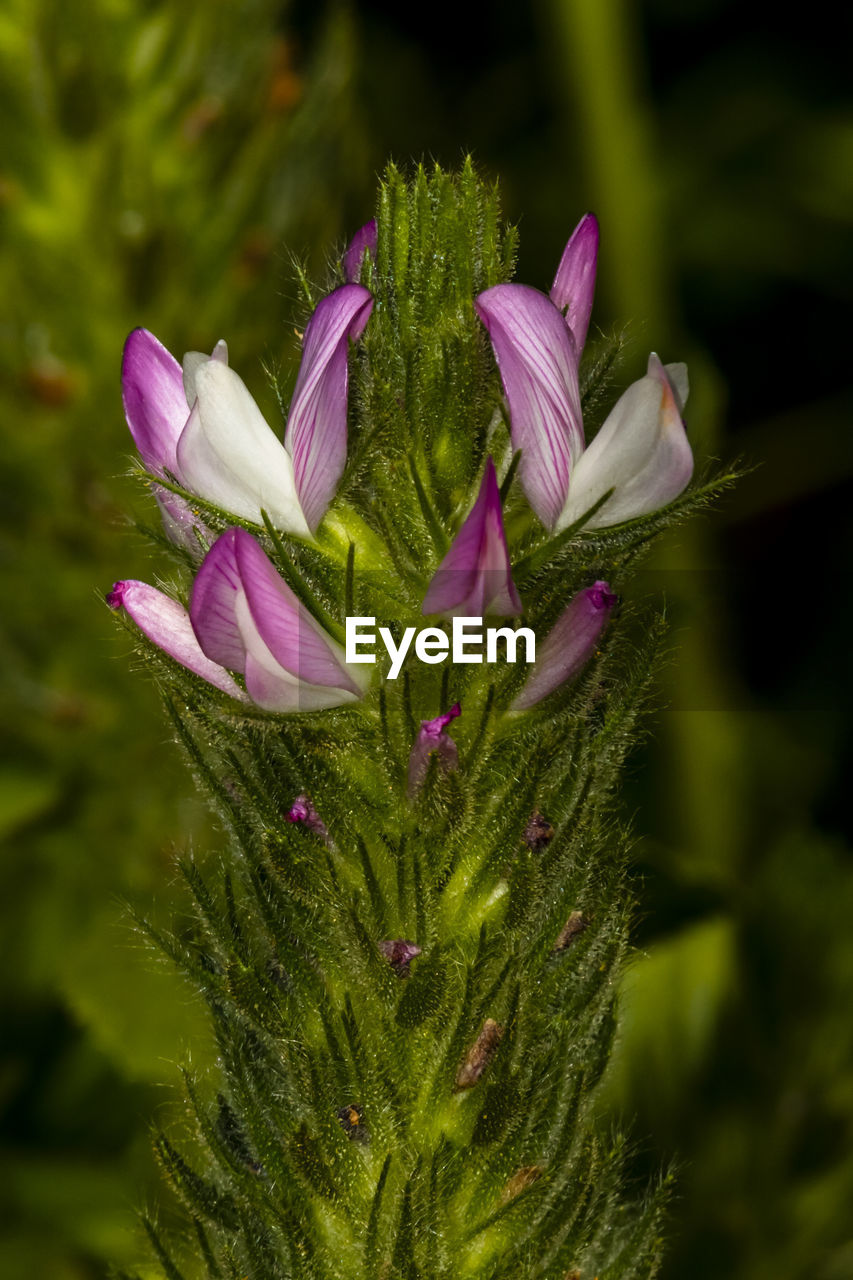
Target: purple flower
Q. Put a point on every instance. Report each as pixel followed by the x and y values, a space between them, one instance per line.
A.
pixel 302 810
pixel 641 451
pixel 433 737
pixel 202 425
pixel 244 617
pixel 399 954
pixel 474 578
pixel 363 242
pixel 167 624
pixel 247 619
pixel 569 644
pixel 574 284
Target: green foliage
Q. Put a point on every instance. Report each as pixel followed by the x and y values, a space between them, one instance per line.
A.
pixel 439 1121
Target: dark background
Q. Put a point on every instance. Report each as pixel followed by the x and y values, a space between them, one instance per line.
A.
pixel 161 162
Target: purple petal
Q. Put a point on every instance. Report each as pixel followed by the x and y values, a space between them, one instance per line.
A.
pixel 539 369
pixel 247 618
pixel 154 402
pixel 364 241
pixel 574 283
pixel 167 624
pixel 569 644
pixel 641 452
pixel 316 435
pixel 285 625
pixel 474 578
pixel 433 738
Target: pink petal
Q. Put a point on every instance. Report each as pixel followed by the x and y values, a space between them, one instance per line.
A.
pixel 167 624
pixel 641 452
pixel 539 369
pixel 364 241
pixel 316 435
pixel 574 283
pixel 569 644
pixel 154 402
pixel 474 578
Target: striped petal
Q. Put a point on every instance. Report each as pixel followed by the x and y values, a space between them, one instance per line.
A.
pixel 229 455
pixel 474 578
pixel 574 284
pixel 167 624
pixel 538 365
pixel 316 435
pixel 246 617
pixel 569 644
pixel 154 402
pixel 641 452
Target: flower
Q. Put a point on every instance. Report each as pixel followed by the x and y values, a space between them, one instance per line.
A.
pixel 247 619
pixel 574 284
pixel 244 617
pixel 363 242
pixel 433 737
pixel 203 427
pixel 167 624
pixel 474 578
pixel 569 644
pixel 641 452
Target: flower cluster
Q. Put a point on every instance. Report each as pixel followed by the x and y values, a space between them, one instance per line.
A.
pixel 198 429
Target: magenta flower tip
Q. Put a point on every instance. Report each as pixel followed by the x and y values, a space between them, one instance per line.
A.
pixel 115 597
pixel 434 728
pixel 601 597
pixel 302 810
pixel 433 738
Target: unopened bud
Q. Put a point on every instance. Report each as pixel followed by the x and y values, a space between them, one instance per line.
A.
pixel 538 833
pixel 399 954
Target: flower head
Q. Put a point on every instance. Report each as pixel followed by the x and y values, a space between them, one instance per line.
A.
pixel 247 619
pixel 569 644
pixel 474 578
pixel 244 617
pixel 641 452
pixel 202 426
pixel 433 738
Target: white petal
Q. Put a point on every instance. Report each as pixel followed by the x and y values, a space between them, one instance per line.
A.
pixel 641 452
pixel 192 362
pixel 229 455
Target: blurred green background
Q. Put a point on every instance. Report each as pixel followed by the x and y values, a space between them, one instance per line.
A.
pixel 162 162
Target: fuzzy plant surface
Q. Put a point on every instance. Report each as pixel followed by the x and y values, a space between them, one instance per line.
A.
pixel 410 953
